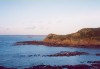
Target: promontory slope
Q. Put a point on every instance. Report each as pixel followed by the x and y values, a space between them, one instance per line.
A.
pixel 83 37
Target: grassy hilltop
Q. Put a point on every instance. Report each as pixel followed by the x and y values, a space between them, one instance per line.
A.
pixel 84 37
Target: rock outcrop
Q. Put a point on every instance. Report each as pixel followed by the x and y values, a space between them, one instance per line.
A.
pixel 83 37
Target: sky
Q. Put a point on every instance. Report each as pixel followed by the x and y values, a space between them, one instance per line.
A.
pixel 42 17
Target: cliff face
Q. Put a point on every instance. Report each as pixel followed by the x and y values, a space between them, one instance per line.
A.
pixel 85 36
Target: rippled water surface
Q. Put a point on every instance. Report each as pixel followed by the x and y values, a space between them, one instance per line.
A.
pixel 31 55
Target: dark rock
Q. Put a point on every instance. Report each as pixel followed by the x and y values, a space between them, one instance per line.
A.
pixel 98 54
pixel 64 53
pixel 1 67
pixel 93 61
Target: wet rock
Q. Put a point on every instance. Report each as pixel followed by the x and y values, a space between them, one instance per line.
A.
pixel 64 53
pixel 96 66
pixel 35 55
pixel 30 55
pixel 1 67
pixel 60 67
pixel 93 61
pixel 22 55
pixel 45 67
pixel 98 54
pixel 83 66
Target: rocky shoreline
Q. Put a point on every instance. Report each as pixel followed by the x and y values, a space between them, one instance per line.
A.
pixel 54 44
pixel 2 67
pixel 86 38
pixel 80 66
pixel 91 65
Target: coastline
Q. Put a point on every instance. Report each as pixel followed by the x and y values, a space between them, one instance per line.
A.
pixel 85 38
pixel 54 44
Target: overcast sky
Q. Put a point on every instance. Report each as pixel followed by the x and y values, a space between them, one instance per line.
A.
pixel 41 17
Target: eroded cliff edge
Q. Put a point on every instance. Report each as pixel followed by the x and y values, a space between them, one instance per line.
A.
pixel 83 37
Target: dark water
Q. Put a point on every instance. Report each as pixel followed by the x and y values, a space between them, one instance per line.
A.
pixel 26 56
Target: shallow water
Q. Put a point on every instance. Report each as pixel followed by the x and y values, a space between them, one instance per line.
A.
pixel 26 55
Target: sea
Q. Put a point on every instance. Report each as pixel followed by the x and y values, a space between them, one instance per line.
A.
pixel 24 56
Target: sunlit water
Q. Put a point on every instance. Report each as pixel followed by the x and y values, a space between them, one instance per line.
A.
pixel 21 56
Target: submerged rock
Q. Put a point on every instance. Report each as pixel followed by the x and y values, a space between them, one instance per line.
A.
pixel 65 53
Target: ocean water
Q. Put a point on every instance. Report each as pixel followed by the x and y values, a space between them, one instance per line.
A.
pixel 21 56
